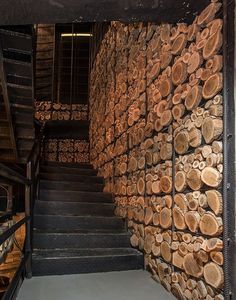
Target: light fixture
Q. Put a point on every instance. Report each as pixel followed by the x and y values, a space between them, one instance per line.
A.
pixel 76 34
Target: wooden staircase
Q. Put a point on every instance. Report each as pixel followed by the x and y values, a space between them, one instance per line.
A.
pixel 17 131
pixel 75 229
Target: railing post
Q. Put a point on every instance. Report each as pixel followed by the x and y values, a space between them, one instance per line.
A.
pixel 28 200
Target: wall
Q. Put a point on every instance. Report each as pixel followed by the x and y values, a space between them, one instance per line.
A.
pixel 69 150
pixel 156 137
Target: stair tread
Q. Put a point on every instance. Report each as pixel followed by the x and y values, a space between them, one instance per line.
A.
pixel 80 196
pixel 69 165
pixel 67 170
pixel 67 177
pixel 81 232
pixel 78 216
pixel 17 62
pixel 73 203
pixel 83 252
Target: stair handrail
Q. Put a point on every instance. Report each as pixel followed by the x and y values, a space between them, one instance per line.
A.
pixel 31 183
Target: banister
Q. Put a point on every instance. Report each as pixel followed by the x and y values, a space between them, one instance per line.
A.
pixel 10 174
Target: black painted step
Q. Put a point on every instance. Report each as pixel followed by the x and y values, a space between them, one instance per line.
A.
pixel 91 239
pixel 72 177
pixel 77 261
pixel 69 165
pixel 67 170
pixel 80 196
pixel 77 222
pixel 71 186
pixel 5 143
pixel 25 133
pixel 73 208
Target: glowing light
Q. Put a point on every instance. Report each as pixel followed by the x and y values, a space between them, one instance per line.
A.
pixel 76 34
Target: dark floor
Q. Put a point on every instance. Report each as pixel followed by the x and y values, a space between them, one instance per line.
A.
pixel 127 285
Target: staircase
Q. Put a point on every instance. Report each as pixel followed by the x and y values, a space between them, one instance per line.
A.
pixel 75 230
pixel 17 102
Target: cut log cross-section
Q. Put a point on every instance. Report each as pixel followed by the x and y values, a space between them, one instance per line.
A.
pixel 181 142
pixel 213 275
pixel 214 200
pixel 210 224
pixel 212 128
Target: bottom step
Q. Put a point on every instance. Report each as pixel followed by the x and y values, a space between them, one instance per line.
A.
pixel 77 261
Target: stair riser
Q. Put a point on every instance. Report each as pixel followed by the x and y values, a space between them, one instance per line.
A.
pixel 42 267
pixel 75 223
pixel 53 195
pixel 71 186
pixel 58 170
pixel 73 208
pixel 53 241
pixel 72 177
pixel 70 165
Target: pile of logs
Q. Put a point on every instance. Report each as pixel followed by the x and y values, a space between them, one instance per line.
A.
pixel 13 259
pixel 66 150
pixel 46 110
pixel 156 136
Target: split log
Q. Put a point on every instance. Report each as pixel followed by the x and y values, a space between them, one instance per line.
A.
pixel 213 45
pixel 178 218
pixel 156 219
pixel 148 215
pixel 193 97
pixel 134 240
pixel 179 73
pixel 166 151
pixel 156 188
pixel 141 186
pixel 206 150
pixel 178 111
pixel 213 244
pixel 193 29
pixel 180 181
pixel 194 62
pixel 211 177
pixel 166 251
pixel 177 260
pixel 181 201
pixel 179 44
pixel 212 86
pixel 195 137
pixel 165 218
pixel 217 147
pixel 208 14
pixel 166 184
pixel 213 274
pixel 181 142
pixel 191 266
pixel 212 128
pixel 177 291
pixel 156 250
pixel 148 242
pixel 166 118
pixel 192 219
pixel 165 87
pixel 217 257
pixel 214 200
pixel 194 179
pixel 210 224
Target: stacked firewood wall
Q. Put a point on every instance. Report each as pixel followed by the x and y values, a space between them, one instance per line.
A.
pixel 66 150
pixel 63 150
pixel 47 110
pixel 156 136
